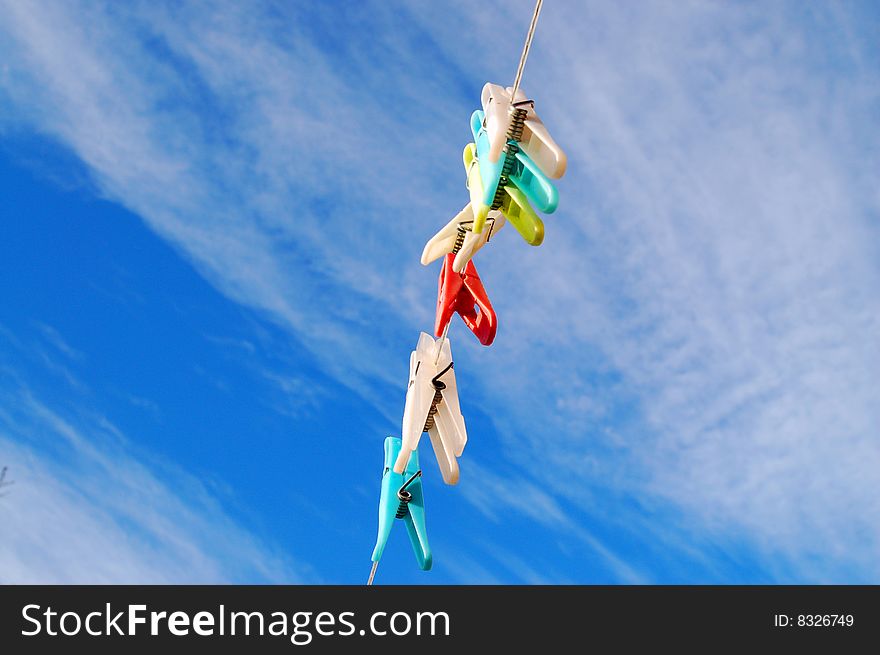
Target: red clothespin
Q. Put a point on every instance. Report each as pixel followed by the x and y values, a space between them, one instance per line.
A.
pixel 464 293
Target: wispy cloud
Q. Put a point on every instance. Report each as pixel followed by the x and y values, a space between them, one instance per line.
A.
pixel 495 495
pixel 698 334
pixel 90 506
pixel 52 336
pixel 731 266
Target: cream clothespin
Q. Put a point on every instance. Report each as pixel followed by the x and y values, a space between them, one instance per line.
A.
pixel 536 140
pixel 460 229
pixel 432 407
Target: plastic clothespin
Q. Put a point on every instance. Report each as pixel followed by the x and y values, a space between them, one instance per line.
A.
pixel 402 498
pixel 463 293
pixel 523 172
pixel 536 140
pixel 445 240
pixel 432 406
pixel 516 209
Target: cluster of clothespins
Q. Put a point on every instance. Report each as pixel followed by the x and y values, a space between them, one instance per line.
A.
pixel 508 166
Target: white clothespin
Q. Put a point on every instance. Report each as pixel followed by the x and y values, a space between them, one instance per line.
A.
pixel 432 407
pixel 536 140
pixel 445 240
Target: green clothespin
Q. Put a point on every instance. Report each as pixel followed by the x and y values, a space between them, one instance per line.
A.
pixel 515 206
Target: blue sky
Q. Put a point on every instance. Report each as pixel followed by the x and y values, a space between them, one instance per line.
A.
pixel 212 217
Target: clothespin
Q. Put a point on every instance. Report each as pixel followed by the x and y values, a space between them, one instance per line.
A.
pixel 516 167
pixel 536 140
pixel 457 237
pixel 463 293
pixel 432 406
pixel 402 498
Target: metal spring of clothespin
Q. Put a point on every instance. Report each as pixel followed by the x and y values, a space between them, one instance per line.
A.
pixel 514 135
pixel 439 386
pixel 404 496
pixel 459 237
pixel 467 226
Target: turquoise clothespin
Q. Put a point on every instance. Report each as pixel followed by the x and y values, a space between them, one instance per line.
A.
pixel 525 174
pixel 402 498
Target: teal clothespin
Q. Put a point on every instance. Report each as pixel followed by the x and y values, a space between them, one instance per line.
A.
pixel 525 174
pixel 402 498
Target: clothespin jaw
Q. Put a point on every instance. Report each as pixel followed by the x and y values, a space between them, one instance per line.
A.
pixel 444 241
pixel 475 187
pixel 496 107
pixel 519 212
pixel 463 293
pixel 490 172
pixel 536 140
pixel 528 177
pixel 432 406
pixel 411 512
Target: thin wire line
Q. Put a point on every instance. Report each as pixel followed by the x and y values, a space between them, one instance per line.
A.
pixel 373 573
pixel 525 52
pixel 441 342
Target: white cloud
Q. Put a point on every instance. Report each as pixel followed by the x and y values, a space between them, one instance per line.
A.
pixel 86 508
pixel 55 339
pixel 699 330
pixel 494 495
pixel 731 266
